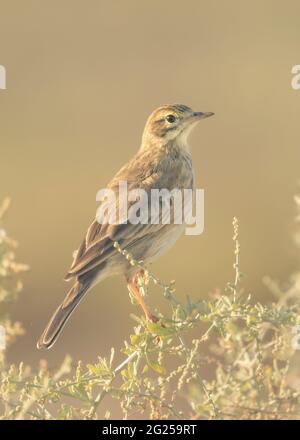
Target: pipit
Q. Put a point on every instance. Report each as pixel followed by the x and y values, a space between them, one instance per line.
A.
pixel 163 161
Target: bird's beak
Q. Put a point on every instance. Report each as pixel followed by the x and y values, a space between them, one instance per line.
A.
pixel 201 115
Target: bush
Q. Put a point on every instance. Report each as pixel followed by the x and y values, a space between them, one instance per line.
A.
pixel 223 358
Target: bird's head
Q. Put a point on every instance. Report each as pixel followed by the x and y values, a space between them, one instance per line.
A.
pixel 171 123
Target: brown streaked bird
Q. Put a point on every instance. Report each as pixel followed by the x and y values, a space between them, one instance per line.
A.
pixel 163 161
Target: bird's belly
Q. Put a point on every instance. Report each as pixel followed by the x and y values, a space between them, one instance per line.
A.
pixel 157 244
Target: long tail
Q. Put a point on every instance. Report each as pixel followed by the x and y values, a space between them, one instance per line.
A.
pixel 61 315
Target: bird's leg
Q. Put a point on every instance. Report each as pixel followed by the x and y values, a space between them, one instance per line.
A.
pixel 132 284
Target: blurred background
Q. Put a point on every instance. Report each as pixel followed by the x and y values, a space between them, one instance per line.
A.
pixel 82 77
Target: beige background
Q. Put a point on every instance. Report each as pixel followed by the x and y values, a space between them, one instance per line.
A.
pixel 82 77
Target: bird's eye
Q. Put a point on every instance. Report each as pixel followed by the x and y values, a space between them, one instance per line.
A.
pixel 171 118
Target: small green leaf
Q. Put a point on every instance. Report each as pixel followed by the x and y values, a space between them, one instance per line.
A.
pixel 138 338
pixel 159 330
pixel 157 367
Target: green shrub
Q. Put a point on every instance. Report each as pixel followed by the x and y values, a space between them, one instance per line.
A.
pixel 223 358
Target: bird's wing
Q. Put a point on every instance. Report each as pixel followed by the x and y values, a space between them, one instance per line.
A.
pixel 98 244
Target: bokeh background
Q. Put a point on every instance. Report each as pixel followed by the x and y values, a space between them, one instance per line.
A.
pixel 82 78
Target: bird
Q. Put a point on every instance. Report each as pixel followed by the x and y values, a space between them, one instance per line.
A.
pixel 162 161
